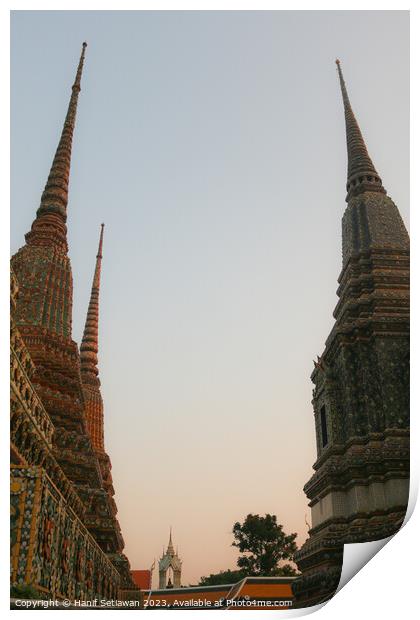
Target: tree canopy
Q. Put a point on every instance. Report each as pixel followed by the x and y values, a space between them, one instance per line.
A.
pixel 264 545
pixel 223 577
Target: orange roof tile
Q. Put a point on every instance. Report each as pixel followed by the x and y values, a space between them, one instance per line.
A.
pixel 143 578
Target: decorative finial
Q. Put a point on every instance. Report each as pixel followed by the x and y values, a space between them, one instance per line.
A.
pixel 101 237
pixel 337 62
pixel 170 550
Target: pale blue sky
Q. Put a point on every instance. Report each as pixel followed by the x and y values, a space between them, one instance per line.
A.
pixel 212 146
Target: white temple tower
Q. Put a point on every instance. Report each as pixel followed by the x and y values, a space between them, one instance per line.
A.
pixel 170 563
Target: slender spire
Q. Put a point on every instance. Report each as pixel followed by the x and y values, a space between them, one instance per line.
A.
pixel 361 173
pixel 170 550
pixel 89 345
pixel 50 223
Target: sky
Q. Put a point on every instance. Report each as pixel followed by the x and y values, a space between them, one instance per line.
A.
pixel 212 146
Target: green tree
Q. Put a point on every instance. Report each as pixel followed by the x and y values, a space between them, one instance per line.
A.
pixel 265 544
pixel 223 577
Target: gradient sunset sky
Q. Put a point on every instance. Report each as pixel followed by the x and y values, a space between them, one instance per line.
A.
pixel 212 145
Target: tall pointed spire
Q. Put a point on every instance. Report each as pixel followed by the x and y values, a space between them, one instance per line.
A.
pixel 170 550
pixel 355 419
pixel 89 345
pixel 50 223
pixel 361 173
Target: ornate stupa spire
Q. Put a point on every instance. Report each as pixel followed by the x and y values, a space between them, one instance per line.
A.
pixel 361 173
pixel 94 408
pixel 49 227
pixel 89 346
pixel 170 550
pixel 361 395
pixel 68 389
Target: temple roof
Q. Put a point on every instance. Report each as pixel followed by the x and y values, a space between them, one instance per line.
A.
pixel 259 589
pixel 170 558
pixel 170 561
pixel 142 578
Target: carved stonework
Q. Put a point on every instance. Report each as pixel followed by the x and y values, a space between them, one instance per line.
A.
pixel 359 490
pixel 65 538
